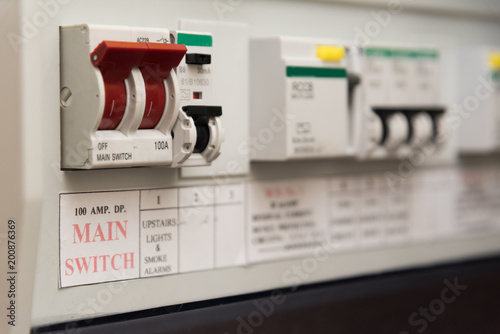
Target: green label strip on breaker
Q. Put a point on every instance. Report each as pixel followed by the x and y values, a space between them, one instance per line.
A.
pixel 401 53
pixel 194 40
pixel 318 72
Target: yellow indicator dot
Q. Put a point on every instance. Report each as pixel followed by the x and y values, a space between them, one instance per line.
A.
pixel 495 60
pixel 330 52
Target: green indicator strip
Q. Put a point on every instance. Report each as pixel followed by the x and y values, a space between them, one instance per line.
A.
pixel 495 75
pixel 194 40
pixel 432 54
pixel 317 72
pixel 401 53
pixel 404 53
pixel 378 52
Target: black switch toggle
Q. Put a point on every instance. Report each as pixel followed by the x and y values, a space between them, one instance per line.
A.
pixel 198 59
pixel 201 116
pixel 193 111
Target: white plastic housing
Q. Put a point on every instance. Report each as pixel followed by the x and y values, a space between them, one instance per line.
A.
pixel 298 111
pixel 478 114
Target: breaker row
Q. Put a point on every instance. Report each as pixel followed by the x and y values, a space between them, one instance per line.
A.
pixel 151 97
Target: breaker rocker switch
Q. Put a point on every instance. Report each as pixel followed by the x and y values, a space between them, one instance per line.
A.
pixel 116 60
pixel 156 66
pixel 206 132
pixel 201 116
pixel 124 96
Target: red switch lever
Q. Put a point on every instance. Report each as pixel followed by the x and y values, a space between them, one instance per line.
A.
pixel 116 60
pixel 155 67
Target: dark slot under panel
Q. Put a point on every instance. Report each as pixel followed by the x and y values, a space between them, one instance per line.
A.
pixel 396 303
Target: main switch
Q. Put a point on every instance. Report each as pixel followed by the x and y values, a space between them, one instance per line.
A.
pixel 121 98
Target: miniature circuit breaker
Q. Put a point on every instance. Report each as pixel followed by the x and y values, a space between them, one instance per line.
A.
pixel 479 113
pixel 397 106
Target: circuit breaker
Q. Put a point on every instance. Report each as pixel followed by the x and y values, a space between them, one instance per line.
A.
pixel 478 115
pixel 299 93
pixel 397 105
pixel 125 101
